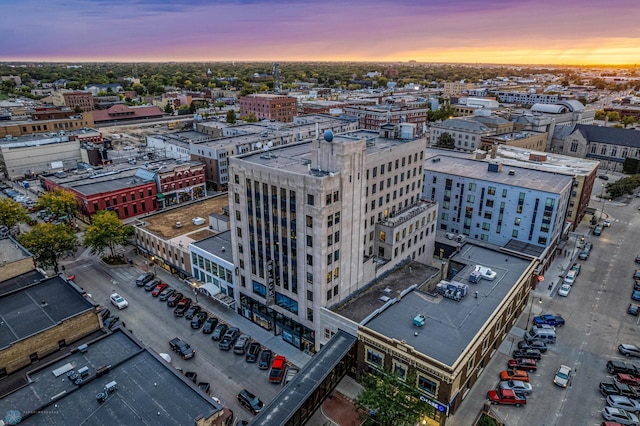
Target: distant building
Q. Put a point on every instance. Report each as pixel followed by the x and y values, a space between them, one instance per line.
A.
pixel 527 98
pixel 452 88
pixel 73 99
pixel 536 141
pixel 373 117
pixel 27 127
pixel 95 89
pixel 119 113
pixel 269 107
pixel 466 132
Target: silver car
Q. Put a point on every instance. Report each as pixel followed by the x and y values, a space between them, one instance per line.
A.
pixel 624 402
pixel 619 415
pixel 629 350
pixel 517 386
pixel 562 376
pixel 241 344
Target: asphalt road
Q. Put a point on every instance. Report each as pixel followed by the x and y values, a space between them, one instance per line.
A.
pixel 597 322
pixel 153 323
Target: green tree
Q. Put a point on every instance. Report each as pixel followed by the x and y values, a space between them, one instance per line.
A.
pixel 183 110
pixel 139 88
pixel 168 109
pixel 390 400
pixel 220 105
pixel 8 85
pixel 106 232
pixel 231 116
pixel 613 116
pixel 627 120
pixel 445 141
pixel 49 243
pixel 600 115
pixel 60 202
pixel 12 213
pixel 77 109
pixel 251 118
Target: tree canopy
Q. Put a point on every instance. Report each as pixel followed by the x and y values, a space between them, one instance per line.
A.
pixel 391 401
pixel 60 202
pixel 231 116
pixel 106 232
pixel 49 243
pixel 12 213
pixel 445 141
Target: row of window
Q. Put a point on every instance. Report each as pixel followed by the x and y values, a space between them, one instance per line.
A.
pixel 423 383
pixel 400 162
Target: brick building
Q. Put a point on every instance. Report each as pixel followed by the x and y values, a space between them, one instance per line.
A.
pixel 269 107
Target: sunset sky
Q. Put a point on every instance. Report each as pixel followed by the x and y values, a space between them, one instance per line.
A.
pixel 470 31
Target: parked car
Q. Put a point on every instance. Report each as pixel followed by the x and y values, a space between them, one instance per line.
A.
pixel 279 364
pixel 250 401
pixel 527 353
pixel 606 223
pixel 603 177
pixel 289 375
pixel 506 396
pixel 554 320
pixel 118 301
pixel 614 367
pixel 636 284
pixel 192 312
pixel 636 274
pixel 159 289
pixel 564 290
pixel 618 389
pixel 533 344
pixel 209 325
pixel 219 331
pixel 229 338
pixel 174 299
pixel 253 352
pixel 514 374
pixel 638 256
pixel 570 278
pixel 597 231
pixel 584 255
pixel 265 359
pixel 633 309
pixel 588 246
pixel 624 402
pixel 619 415
pixel 626 379
pixel 240 347
pixel 629 350
pixel 199 319
pixel 181 347
pixel 517 386
pixel 151 284
pixel 635 295
pixel 563 375
pixel 166 293
pixel 142 279
pixel 182 307
pixel 526 364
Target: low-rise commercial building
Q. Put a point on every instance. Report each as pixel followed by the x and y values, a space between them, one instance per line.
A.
pixel 269 107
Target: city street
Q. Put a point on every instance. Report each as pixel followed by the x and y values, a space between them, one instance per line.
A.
pixel 596 322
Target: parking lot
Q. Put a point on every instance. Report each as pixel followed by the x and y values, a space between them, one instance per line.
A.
pixel 596 317
pixel 155 325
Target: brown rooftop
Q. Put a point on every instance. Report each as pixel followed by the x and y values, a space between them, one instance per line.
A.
pixel 389 286
pixel 163 224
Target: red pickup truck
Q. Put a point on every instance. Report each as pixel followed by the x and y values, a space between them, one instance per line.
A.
pixel 506 396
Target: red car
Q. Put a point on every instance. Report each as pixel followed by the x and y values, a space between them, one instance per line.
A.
pixel 513 374
pixel 277 369
pixel 156 291
pixel 523 364
pixel 626 379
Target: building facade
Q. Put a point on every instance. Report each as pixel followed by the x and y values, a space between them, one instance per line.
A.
pixel 269 107
pixel 314 222
pixel 487 202
pixel 20 128
pixel 374 117
pixel 466 132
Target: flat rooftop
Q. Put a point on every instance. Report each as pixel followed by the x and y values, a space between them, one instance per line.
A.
pixel 452 324
pixel 163 224
pixel 478 170
pixel 33 308
pixel 11 251
pixel 219 245
pixel 554 163
pixel 149 390
pixel 375 296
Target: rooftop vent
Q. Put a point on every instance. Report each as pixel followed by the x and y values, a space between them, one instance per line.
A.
pixel 419 320
pixel 512 172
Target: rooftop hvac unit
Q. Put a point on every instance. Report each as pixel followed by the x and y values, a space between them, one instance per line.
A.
pixel 419 320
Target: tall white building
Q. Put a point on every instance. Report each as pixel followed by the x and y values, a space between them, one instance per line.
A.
pixel 314 222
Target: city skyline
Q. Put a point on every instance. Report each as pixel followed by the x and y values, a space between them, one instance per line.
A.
pixel 575 32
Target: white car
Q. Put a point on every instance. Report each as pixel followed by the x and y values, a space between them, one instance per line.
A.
pixel 570 278
pixel 624 402
pixel 564 290
pixel 119 301
pixel 562 376
pixel 619 415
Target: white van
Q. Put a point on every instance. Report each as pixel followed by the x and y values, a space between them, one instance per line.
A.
pixel 545 335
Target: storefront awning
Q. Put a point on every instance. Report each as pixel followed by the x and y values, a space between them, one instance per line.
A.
pixel 160 196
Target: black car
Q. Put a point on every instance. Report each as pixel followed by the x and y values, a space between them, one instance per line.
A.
pixel 199 319
pixel 533 344
pixel 192 312
pixel 219 331
pixel 166 293
pixel 265 359
pixel 636 284
pixel 527 353
pixel 633 309
pixel 182 307
pixel 614 367
pixel 229 338
pixel 181 347
pixel 250 401
pixel 209 325
pixel 253 351
pixel 151 284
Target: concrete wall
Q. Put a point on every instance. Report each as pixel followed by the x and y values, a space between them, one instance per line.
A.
pixel 13 269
